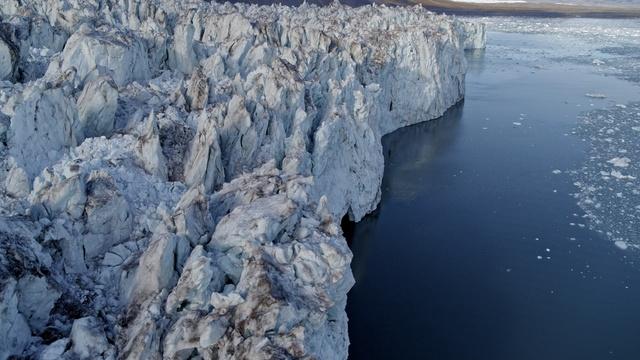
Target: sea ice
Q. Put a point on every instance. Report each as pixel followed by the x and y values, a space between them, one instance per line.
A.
pixel 621 245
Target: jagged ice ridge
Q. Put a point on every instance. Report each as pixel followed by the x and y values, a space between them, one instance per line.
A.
pixel 173 173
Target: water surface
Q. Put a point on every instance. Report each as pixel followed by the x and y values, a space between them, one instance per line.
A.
pixel 478 249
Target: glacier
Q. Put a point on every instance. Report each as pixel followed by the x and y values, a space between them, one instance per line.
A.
pixel 173 174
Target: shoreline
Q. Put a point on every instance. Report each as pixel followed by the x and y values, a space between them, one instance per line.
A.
pixel 524 9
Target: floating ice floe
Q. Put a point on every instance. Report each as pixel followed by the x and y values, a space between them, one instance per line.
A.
pixel 621 244
pixel 620 162
pixel 618 175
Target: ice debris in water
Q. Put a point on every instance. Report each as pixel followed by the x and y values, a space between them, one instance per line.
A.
pixel 620 162
pixel 621 245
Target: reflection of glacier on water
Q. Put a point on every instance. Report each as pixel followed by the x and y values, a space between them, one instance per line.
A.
pixel 432 138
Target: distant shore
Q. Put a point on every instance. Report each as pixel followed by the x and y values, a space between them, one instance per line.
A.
pixel 524 9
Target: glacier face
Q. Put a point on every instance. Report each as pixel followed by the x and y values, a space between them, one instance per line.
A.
pixel 173 174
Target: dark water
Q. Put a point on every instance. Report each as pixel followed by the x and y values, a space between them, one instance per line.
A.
pixel 478 249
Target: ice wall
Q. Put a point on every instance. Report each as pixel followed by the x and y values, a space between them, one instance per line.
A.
pixel 173 174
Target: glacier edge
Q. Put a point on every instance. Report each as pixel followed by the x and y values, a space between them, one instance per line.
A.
pixel 173 175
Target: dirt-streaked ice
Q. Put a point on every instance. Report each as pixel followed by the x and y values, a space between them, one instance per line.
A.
pixel 173 174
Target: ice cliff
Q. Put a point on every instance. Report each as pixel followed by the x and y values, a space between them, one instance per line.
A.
pixel 173 173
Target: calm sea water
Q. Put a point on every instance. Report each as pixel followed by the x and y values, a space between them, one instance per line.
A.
pixel 478 250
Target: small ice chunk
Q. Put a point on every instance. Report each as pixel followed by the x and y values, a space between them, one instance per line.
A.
pixel 621 245
pixel 517 123
pixel 618 175
pixel 557 171
pixel 539 257
pixel 596 95
pixel 598 62
pixel 621 106
pixel 620 162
